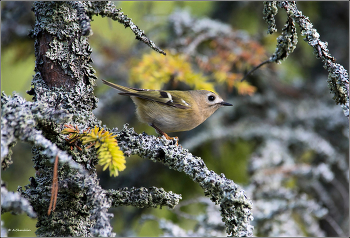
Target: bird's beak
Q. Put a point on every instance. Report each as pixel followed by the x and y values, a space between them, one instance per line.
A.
pixel 226 104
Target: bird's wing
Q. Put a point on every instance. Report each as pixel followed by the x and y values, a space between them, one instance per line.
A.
pixel 163 97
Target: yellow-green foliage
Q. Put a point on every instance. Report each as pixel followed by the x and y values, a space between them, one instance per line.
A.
pixel 108 152
pixel 155 70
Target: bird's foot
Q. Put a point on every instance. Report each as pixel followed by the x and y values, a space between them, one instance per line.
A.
pixel 171 138
pixel 159 131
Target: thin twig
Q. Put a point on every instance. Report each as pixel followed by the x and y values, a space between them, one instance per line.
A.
pixel 255 68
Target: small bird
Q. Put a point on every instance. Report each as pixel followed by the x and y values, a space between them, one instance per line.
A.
pixel 173 110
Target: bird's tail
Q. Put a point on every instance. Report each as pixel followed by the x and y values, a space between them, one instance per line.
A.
pixel 119 87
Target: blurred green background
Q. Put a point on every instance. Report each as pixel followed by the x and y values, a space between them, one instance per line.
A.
pixel 115 51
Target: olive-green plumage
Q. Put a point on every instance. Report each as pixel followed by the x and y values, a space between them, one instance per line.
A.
pixel 172 111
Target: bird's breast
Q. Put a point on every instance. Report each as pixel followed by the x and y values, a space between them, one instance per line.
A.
pixel 167 118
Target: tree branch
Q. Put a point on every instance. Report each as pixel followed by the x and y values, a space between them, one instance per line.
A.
pixel 338 77
pixel 235 207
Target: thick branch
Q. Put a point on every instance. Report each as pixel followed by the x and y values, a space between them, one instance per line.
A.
pixel 18 121
pixel 234 205
pixel 143 197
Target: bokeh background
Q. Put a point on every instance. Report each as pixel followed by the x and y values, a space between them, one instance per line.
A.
pixel 231 39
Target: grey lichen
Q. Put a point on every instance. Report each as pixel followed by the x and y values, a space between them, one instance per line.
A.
pixel 338 83
pixel 19 119
pixel 8 140
pixel 235 207
pixel 185 27
pixel 305 137
pixel 15 203
pixel 100 203
pixel 270 11
pixel 63 55
pixel 338 77
pixel 63 94
pixel 64 81
pixel 83 17
pixel 275 204
pixel 313 184
pixel 143 197
pixel 286 42
pixel 58 19
pixel 3 229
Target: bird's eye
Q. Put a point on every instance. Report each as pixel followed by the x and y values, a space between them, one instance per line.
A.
pixel 211 98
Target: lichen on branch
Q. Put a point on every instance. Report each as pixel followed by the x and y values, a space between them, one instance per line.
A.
pixel 338 77
pixel 235 207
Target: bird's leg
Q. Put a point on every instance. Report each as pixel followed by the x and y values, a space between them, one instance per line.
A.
pixel 159 131
pixel 163 133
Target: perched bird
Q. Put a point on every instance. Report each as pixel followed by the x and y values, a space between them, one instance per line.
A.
pixel 173 110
